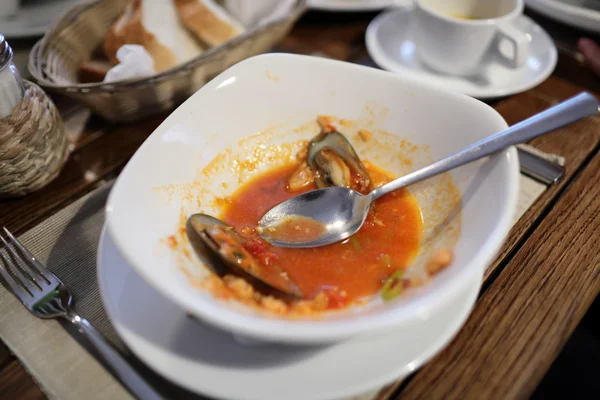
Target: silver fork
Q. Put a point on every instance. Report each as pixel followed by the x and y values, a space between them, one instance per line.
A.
pixel 45 296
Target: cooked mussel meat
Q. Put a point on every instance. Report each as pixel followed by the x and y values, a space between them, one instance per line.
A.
pixel 334 162
pixel 301 177
pixel 211 236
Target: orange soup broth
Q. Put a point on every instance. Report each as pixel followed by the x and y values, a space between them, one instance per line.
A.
pixel 389 240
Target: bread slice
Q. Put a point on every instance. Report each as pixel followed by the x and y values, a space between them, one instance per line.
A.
pixel 155 25
pixel 115 38
pixel 93 71
pixel 210 22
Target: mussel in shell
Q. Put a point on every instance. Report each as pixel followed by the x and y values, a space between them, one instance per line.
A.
pixel 220 242
pixel 334 162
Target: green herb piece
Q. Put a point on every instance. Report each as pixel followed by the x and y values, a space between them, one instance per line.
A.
pixel 393 286
pixel 386 260
pixel 355 244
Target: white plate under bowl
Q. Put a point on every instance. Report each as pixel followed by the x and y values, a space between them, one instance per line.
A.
pixel 390 44
pixel 581 14
pixel 274 94
pixel 210 362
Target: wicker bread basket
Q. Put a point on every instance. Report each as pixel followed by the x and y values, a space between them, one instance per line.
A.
pixel 55 60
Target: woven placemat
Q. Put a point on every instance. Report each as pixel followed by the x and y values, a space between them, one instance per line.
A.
pixel 62 366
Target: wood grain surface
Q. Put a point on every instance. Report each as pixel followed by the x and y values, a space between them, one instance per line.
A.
pixel 15 383
pixel 535 293
pixel 4 355
pixel 527 314
pixel 576 142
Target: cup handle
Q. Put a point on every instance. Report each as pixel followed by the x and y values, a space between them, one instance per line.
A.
pixel 519 42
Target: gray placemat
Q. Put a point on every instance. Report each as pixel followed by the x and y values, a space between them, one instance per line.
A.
pixel 65 368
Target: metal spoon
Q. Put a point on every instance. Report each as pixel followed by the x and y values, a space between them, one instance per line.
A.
pixel 342 211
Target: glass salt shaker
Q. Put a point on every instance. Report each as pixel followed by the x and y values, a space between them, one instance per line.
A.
pixel 11 84
pixel 33 142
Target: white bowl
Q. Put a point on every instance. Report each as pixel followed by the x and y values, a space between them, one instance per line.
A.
pixel 276 93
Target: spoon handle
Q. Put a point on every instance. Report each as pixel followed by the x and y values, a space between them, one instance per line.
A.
pixel 571 110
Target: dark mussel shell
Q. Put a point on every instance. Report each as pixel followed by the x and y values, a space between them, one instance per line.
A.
pixel 333 159
pixel 219 245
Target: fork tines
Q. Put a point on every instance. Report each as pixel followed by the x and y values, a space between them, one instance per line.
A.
pixel 25 276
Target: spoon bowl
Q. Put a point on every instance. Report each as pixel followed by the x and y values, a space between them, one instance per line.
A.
pixel 342 211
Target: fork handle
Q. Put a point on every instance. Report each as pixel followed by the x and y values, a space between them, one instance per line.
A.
pixel 122 369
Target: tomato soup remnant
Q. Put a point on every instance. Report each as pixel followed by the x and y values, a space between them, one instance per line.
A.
pixel 344 272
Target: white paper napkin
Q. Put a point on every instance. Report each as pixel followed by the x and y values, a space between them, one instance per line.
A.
pixel 134 62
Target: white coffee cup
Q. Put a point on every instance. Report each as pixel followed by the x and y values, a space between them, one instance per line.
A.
pixel 453 36
pixel 8 8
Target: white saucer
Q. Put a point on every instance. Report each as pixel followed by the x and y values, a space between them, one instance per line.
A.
pixel 35 17
pixel 355 5
pixel 389 42
pixel 581 14
pixel 210 362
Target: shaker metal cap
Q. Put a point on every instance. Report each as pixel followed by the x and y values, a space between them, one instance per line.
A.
pixel 5 52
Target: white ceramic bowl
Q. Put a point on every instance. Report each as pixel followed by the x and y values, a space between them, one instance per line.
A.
pixel 276 93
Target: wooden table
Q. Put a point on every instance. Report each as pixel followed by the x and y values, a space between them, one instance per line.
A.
pixel 534 295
